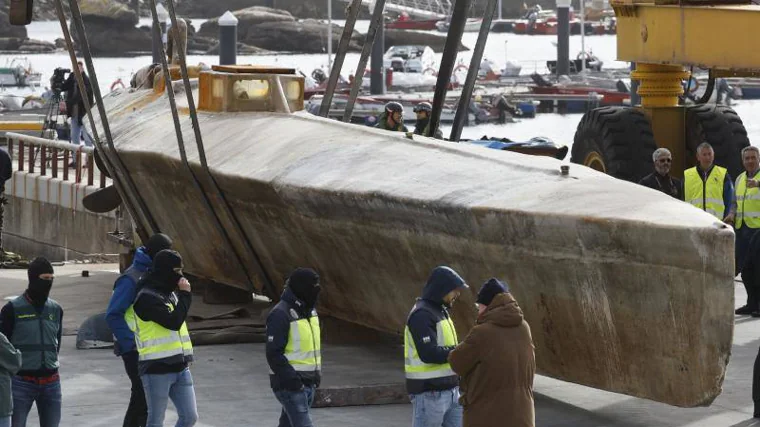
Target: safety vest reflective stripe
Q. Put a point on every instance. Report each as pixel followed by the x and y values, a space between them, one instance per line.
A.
pixel 706 195
pixel 303 350
pixel 414 367
pixel 747 203
pixel 156 342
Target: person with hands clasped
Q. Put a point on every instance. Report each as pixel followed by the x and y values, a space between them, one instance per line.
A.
pixel 163 342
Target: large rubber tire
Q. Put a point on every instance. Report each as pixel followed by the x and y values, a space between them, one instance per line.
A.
pixel 723 129
pixel 615 140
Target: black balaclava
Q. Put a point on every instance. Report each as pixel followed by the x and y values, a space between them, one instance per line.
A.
pixel 157 243
pixel 163 270
pixel 39 289
pixel 304 282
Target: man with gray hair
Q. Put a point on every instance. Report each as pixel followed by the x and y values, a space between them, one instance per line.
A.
pixel 746 212
pixel 660 179
pixel 709 187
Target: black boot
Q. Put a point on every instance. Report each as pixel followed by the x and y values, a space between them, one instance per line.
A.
pixel 744 310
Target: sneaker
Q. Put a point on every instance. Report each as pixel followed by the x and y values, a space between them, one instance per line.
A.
pixel 743 310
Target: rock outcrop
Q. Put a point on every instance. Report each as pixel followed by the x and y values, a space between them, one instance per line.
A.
pixel 248 18
pixel 111 28
pixel 36 46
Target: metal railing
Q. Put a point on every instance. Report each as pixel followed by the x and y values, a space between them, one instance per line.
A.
pixel 31 154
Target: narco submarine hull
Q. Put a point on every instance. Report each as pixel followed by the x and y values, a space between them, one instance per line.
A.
pixel 625 288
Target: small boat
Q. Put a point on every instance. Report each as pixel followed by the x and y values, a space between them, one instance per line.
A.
pixel 613 92
pixel 471 26
pixel 18 72
pixel 403 22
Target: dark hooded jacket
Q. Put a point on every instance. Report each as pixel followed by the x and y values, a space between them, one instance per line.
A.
pixel 422 321
pixel 282 375
pixel 152 308
pixel 497 363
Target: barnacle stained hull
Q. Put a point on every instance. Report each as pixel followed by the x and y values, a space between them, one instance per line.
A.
pixel 625 289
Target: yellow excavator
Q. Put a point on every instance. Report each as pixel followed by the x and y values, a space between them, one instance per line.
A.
pixel 667 39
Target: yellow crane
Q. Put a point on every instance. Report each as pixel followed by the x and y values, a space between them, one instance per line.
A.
pixel 666 39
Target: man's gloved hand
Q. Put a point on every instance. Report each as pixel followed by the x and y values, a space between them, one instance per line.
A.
pixel 294 385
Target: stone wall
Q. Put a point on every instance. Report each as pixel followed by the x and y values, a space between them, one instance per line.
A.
pixel 45 217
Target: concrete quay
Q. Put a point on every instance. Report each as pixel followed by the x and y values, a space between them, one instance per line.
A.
pixel 232 383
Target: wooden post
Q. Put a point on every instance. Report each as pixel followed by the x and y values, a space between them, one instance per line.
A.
pixel 54 155
pixel 66 165
pixel 21 155
pixel 31 158
pixel 90 170
pixel 43 160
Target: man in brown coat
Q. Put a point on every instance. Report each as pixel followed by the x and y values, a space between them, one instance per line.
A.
pixel 496 363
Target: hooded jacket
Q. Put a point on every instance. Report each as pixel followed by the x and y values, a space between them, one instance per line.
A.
pixel 124 293
pixel 382 123
pixel 282 376
pixel 151 308
pixel 422 320
pixel 496 363
pixel 10 363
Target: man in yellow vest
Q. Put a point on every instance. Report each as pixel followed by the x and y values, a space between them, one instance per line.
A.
pixel 708 186
pixel 163 341
pixel 746 209
pixel 294 348
pixel 429 337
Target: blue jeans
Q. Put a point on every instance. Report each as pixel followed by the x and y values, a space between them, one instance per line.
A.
pixel 77 131
pixel 178 387
pixel 47 396
pixel 437 409
pixel 295 407
pixel 5 421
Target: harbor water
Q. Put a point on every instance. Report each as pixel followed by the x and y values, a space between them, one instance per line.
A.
pixel 531 52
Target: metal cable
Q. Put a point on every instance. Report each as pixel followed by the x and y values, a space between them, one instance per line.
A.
pixel 268 284
pixel 472 73
pixel 181 144
pixel 340 56
pixel 709 89
pixel 141 222
pixel 369 40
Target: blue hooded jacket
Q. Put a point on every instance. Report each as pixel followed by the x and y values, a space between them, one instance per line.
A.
pixel 422 321
pixel 124 293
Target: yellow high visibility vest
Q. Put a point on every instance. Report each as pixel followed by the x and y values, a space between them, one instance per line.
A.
pixel 706 195
pixel 414 367
pixel 304 348
pixel 747 203
pixel 156 342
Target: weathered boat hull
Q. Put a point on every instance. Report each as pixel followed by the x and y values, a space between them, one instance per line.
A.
pixel 625 289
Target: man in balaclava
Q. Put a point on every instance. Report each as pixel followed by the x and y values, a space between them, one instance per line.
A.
pixel 33 321
pixel 295 367
pixel 163 341
pixel 120 314
pixel 429 337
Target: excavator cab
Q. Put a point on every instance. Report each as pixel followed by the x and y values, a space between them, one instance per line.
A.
pixel 668 39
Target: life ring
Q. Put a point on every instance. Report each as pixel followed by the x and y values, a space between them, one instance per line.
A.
pixel 117 82
pixel 433 71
